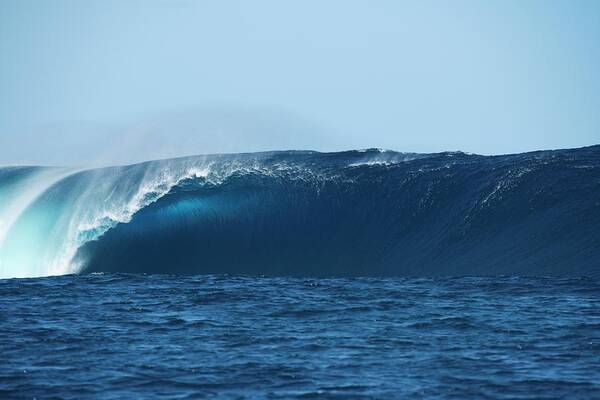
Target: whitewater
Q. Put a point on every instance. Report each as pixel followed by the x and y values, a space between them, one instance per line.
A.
pixel 304 213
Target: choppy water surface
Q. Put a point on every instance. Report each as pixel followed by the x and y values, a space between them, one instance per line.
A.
pixel 132 336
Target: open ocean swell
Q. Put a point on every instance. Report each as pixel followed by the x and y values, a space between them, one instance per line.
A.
pixel 116 336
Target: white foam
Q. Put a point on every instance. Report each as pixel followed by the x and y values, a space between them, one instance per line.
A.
pixel 21 197
pixel 90 223
pixel 101 199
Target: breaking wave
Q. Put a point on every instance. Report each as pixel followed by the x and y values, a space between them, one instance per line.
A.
pixel 369 212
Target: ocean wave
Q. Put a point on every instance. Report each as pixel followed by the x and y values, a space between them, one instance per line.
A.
pixel 368 212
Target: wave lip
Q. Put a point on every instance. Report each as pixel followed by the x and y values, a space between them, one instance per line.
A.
pixel 306 213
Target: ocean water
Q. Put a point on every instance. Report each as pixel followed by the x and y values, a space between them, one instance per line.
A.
pixel 187 278
pixel 305 213
pixel 130 336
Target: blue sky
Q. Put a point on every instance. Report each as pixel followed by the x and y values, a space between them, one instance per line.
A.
pixel 120 81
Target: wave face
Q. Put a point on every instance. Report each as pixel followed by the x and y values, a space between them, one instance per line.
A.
pixel 305 213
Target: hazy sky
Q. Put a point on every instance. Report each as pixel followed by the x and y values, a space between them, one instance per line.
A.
pixel 118 81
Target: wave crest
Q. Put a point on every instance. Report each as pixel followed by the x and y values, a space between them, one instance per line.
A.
pixel 307 213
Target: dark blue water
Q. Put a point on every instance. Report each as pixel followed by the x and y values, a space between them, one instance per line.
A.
pixel 134 336
pixel 303 213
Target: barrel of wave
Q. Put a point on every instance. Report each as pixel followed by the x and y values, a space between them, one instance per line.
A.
pixel 48 214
